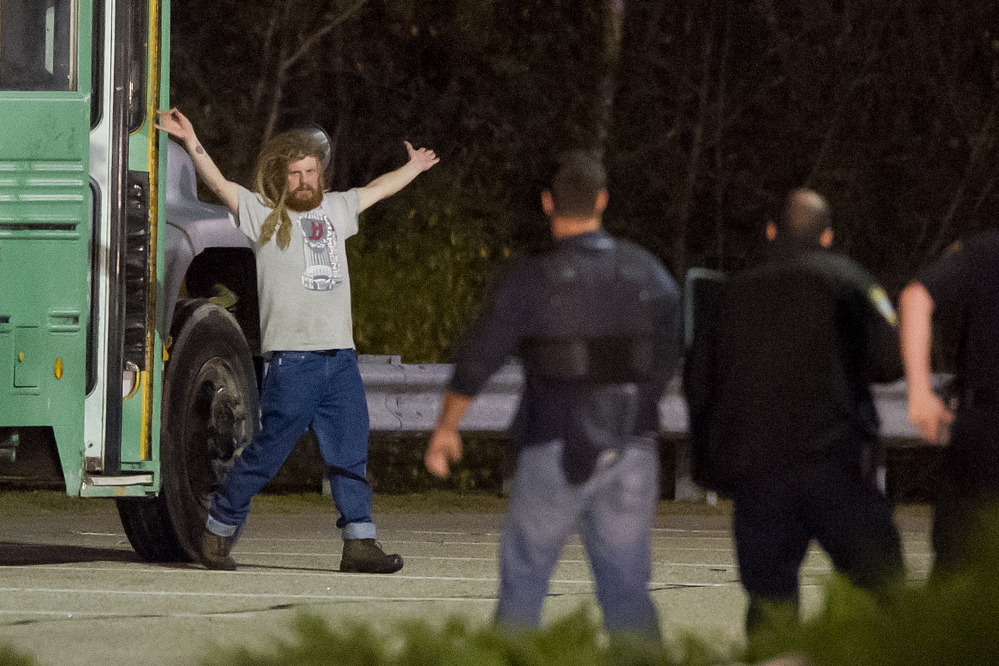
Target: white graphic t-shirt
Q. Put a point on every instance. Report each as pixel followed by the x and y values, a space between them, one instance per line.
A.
pixel 304 289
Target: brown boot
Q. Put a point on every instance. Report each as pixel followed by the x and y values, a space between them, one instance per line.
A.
pixel 367 556
pixel 213 552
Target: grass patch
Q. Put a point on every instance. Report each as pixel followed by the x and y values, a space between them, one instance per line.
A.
pixel 441 501
pixel 430 501
pixel 36 502
pixel 673 508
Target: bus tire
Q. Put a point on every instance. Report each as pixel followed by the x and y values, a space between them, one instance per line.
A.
pixel 210 411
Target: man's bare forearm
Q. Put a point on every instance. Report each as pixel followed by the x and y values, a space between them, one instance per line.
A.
pixel 454 408
pixel 211 175
pixel 177 125
pixel 916 336
pixel 926 410
pixel 388 184
pixel 445 442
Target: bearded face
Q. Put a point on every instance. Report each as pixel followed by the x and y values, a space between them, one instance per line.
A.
pixel 304 191
pixel 305 198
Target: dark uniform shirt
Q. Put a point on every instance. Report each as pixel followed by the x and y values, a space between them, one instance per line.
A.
pixel 783 377
pixel 964 286
pixel 595 321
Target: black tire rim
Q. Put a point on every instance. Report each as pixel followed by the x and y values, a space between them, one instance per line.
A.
pixel 217 426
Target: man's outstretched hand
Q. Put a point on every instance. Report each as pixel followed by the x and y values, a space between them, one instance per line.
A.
pixel 423 158
pixel 176 124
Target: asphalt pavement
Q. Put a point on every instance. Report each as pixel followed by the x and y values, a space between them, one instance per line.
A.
pixel 73 592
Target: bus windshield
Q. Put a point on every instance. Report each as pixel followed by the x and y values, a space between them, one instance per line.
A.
pixel 38 45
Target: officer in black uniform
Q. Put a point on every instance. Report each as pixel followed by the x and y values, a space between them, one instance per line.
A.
pixel 960 292
pixel 779 395
pixel 595 322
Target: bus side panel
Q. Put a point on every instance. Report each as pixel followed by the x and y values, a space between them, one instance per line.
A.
pixel 44 264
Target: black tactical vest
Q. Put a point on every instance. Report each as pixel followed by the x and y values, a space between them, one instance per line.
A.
pixel 595 340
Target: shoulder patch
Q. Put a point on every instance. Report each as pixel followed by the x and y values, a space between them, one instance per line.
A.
pixel 882 303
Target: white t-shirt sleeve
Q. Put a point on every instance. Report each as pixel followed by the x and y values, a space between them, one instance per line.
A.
pixel 251 215
pixel 351 203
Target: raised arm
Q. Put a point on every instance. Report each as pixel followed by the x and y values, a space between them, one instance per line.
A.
pixel 388 184
pixel 176 124
pixel 926 410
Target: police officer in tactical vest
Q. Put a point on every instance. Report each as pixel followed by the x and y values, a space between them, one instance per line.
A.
pixel 594 321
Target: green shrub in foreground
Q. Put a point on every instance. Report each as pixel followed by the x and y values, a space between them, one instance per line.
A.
pixel 949 622
pixel 8 657
pixel 573 640
pixel 946 622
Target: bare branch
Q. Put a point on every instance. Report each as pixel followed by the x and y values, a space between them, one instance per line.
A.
pixel 311 40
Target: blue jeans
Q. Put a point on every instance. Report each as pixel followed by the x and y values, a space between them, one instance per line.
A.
pixel 302 390
pixel 612 511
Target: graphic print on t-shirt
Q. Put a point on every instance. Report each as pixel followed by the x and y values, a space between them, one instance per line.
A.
pixel 322 262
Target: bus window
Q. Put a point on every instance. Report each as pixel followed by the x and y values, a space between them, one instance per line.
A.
pixel 139 34
pixel 38 45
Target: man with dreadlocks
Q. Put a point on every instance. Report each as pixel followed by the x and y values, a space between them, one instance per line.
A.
pixel 311 377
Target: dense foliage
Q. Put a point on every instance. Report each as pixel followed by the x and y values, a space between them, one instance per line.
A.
pixel 889 108
pixel 708 112
pixel 10 657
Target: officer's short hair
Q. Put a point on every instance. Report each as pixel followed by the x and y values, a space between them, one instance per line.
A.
pixel 578 180
pixel 805 216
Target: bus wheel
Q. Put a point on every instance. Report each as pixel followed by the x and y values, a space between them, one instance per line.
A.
pixel 210 411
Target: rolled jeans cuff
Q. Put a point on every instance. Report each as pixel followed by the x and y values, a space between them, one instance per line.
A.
pixel 219 528
pixel 358 531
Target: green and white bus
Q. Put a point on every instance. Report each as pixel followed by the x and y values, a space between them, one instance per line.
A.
pixel 143 396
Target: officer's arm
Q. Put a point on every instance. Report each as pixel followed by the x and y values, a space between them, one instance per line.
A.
pixel 669 341
pixel 445 442
pixel 506 319
pixel 483 350
pixel 926 410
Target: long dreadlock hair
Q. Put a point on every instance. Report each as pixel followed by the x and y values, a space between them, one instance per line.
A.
pixel 271 179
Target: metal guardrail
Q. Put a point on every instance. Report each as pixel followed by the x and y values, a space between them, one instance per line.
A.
pixel 405 397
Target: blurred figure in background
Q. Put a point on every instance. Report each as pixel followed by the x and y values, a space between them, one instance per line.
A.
pixel 959 292
pixel 779 389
